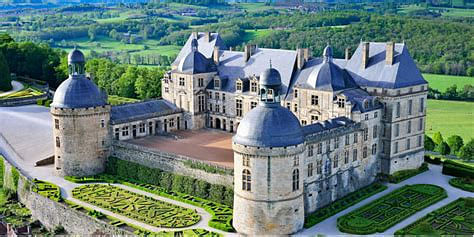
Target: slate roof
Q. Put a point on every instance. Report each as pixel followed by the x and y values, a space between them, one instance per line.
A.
pixel 402 73
pixel 195 62
pixel 326 125
pixel 78 92
pixel 204 47
pixel 76 56
pixel 141 110
pixel 357 97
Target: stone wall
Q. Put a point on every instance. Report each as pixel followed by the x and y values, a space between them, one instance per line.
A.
pixel 169 162
pixel 51 213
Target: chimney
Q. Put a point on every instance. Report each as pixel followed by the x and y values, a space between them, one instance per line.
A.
pixel 348 53
pixel 300 60
pixel 231 49
pixel 216 55
pixel 207 36
pixel 389 53
pixel 307 54
pixel 248 51
pixel 365 55
pixel 195 35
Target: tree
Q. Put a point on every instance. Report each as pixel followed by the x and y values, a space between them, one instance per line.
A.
pixel 5 39
pixel 455 143
pixel 443 148
pixel 467 151
pixel 429 144
pixel 437 138
pixel 5 79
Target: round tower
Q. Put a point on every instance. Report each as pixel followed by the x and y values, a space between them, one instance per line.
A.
pixel 81 117
pixel 268 166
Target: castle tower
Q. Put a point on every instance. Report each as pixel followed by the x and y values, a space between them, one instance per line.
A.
pixel 268 166
pixel 80 122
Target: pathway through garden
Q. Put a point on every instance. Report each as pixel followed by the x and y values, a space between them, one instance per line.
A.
pixel 16 87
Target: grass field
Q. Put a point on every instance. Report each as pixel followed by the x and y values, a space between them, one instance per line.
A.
pixel 448 12
pixel 450 118
pixel 442 82
pixel 253 7
pixel 103 44
pixel 253 34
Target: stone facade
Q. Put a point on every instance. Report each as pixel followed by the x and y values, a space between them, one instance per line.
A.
pixel 81 140
pixel 148 127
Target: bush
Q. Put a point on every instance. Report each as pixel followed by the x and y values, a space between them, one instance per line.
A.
pixel 457 169
pixel 467 151
pixel 401 175
pixel 429 143
pixel 443 148
pixel 433 160
pixel 466 184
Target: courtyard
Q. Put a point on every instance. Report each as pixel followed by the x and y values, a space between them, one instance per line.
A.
pixel 208 145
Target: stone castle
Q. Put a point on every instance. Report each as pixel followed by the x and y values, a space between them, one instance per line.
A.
pixel 309 130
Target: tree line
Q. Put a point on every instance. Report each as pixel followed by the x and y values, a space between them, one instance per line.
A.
pixel 454 145
pixel 452 93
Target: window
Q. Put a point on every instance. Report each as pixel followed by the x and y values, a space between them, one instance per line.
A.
pixel 336 142
pixel 296 179
pixel 366 116
pixel 239 86
pixel 223 97
pixel 303 122
pixel 375 131
pixel 125 131
pixel 223 109
pixel 310 150
pixel 364 152
pixel 385 109
pixel 409 127
pixel 366 134
pixel 117 133
pixel 210 107
pixel 200 82
pixel 181 81
pixel 408 144
pixel 314 118
pixel 356 135
pixel 172 123
pixel 420 124
pixel 395 147
pixel 422 105
pixel 288 105
pixel 383 147
pixel 58 142
pixel 374 149
pixel 320 148
pixel 335 162
pixel 354 155
pixel 167 90
pixel 296 161
pixel 210 95
pixel 347 139
pixel 319 167
pixel 295 107
pixel 346 157
pixel 397 130
pixel 296 93
pixel 310 169
pixel 253 86
pixel 253 104
pixel 420 141
pixel 246 180
pixel 341 102
pixel 141 128
pixel 56 123
pixel 217 108
pixel 397 111
pixel 410 106
pixel 102 123
pixel 314 100
pixel 246 162
pixel 217 96
pixel 383 130
pixel 217 83
pixel 201 103
pixel 376 114
pixel 238 108
pixel 328 145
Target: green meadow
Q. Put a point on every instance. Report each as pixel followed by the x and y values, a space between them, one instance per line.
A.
pixel 442 82
pixel 450 118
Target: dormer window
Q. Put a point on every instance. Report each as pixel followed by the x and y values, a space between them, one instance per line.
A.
pixel 253 86
pixel 217 83
pixel 341 102
pixel 239 86
pixel 296 93
pixel 181 81
pixel 200 82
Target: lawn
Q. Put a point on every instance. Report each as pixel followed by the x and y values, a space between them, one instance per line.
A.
pixel 387 211
pixel 450 118
pixel 253 34
pixel 136 206
pixel 456 218
pixel 254 7
pixel 442 82
pixel 447 12
pixel 117 100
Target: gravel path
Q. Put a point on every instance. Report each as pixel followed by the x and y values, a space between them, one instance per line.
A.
pixel 16 87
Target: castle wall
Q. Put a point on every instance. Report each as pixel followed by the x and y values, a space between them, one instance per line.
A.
pixel 146 127
pixel 169 162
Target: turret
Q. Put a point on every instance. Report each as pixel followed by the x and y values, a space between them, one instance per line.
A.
pixel 268 166
pixel 80 123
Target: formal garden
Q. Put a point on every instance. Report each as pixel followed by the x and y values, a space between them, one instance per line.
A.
pixel 464 183
pixel 456 218
pixel 47 189
pixel 136 206
pixel 383 213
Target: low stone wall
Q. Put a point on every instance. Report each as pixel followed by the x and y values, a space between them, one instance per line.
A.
pixel 22 101
pixel 51 213
pixel 170 163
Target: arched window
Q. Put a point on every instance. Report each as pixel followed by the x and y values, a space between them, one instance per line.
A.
pixel 296 179
pixel 246 180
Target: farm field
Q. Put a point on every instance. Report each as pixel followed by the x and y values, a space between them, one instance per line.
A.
pixel 445 11
pixel 452 219
pixel 385 212
pixel 139 207
pixel 450 118
pixel 442 82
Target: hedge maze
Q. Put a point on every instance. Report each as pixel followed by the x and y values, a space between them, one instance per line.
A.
pixel 136 206
pixel 390 209
pixel 456 218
